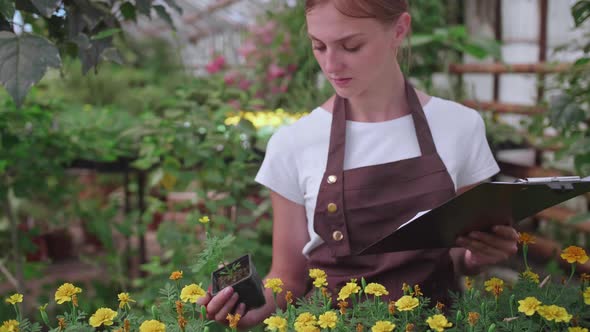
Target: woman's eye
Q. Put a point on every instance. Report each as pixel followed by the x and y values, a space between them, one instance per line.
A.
pixel 319 47
pixel 352 49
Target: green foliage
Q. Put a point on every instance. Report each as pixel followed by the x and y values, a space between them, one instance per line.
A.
pixel 78 29
pixel 569 111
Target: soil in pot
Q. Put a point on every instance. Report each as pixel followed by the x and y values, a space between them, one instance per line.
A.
pixel 241 275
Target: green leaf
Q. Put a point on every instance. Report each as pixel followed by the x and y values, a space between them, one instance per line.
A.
pixel 46 7
pixel 23 62
pixel 163 14
pixel 128 11
pixel 581 12
pixel 105 33
pixel 7 9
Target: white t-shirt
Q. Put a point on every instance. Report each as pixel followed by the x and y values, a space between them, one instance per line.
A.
pixel 296 154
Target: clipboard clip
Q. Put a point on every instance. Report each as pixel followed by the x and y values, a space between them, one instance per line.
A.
pixel 560 183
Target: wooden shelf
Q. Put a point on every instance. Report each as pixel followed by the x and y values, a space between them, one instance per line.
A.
pixel 501 68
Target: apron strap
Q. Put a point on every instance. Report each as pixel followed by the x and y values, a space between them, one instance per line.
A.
pixel 335 164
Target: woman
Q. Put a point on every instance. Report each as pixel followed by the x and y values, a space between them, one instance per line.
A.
pixel 367 160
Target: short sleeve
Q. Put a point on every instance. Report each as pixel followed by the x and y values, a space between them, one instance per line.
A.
pixel 479 163
pixel 278 171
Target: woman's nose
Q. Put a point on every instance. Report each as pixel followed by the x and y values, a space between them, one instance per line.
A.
pixel 333 62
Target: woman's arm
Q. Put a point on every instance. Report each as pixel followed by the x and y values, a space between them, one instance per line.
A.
pixel 288 264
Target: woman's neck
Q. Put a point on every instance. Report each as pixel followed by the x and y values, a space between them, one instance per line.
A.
pixel 383 100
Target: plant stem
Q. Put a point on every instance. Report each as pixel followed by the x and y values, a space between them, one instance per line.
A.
pixel 18 264
pixel 525 248
pixel 568 281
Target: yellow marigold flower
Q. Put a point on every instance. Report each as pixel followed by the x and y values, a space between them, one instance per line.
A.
pixel 233 320
pixel 303 320
pixel 577 329
pixel 308 328
pixel 317 273
pixel 176 275
pixel 152 326
pixel 526 238
pixel 407 303
pixel 348 289
pixel 383 326
pixel 530 276
pixel 320 282
pixel 586 295
pixel 275 284
pixel 14 298
pixel 328 320
pixel 468 283
pixel 10 325
pixel 529 305
pixel 204 220
pixel 376 289
pixel 124 300
pixel 438 322
pixel 191 293
pixel 573 254
pixel 406 288
pixel 554 313
pixel 275 323
pixel 473 318
pixel 102 316
pixel 66 292
pixel 490 284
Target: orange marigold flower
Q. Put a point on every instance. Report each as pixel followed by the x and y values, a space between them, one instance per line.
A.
pixel 410 327
pixel 526 238
pixel 176 275
pixel 468 283
pixel 289 297
pixel 417 291
pixel 179 307
pixel 126 325
pixel 61 322
pixel 359 327
pixel 342 305
pixel 182 322
pixel 233 320
pixel 391 307
pixel 584 277
pixel 440 306
pixel 472 318
pixel 573 254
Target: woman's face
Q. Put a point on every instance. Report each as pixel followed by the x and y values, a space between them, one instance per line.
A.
pixel 354 54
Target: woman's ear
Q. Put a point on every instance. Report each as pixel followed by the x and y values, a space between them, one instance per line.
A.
pixel 402 28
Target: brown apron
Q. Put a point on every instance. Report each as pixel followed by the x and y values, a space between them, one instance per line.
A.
pixel 358 207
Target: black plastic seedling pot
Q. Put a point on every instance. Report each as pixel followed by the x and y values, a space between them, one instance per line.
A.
pixel 241 275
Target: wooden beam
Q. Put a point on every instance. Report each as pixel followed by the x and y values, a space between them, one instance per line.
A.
pixel 503 107
pixel 501 68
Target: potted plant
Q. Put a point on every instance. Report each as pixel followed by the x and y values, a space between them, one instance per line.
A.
pixel 241 275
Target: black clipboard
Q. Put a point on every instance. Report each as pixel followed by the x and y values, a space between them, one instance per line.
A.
pixel 480 208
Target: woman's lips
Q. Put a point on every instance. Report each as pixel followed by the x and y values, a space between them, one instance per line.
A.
pixel 341 82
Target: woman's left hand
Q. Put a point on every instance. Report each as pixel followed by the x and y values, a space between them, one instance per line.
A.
pixel 488 248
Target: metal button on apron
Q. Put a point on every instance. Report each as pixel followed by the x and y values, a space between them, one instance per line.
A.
pixel 332 207
pixel 337 236
pixel 332 179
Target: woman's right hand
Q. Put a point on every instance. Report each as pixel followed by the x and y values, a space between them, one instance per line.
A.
pixel 221 304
